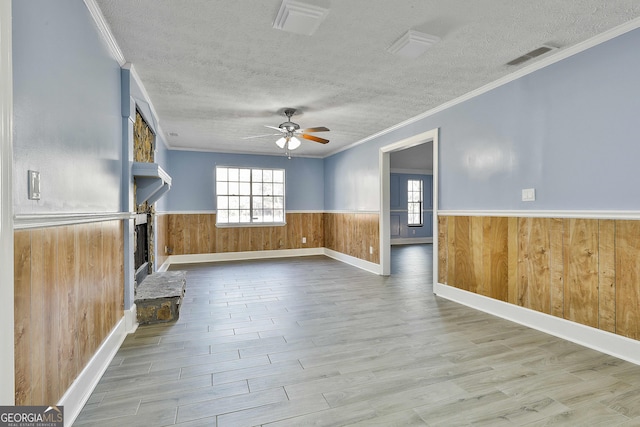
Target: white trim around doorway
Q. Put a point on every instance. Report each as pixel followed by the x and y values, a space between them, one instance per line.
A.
pixel 7 369
pixel 385 210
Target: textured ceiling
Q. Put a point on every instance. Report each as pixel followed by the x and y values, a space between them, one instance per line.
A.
pixel 216 71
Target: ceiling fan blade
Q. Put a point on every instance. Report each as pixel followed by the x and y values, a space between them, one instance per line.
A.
pixel 276 128
pixel 315 138
pixel 318 129
pixel 261 136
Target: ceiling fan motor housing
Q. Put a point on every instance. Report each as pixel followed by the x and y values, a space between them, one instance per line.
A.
pixel 289 126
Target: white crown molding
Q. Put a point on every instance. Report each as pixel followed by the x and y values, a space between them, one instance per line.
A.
pixel 147 100
pixel 542 63
pixel 27 221
pixel 116 53
pixel 585 214
pixel 256 153
pixel 105 31
pixel 605 342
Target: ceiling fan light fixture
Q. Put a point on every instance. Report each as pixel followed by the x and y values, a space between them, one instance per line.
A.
pixel 294 143
pixel 413 44
pixel 281 142
pixel 300 18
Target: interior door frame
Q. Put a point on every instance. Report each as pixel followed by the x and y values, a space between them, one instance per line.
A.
pixel 7 369
pixel 385 196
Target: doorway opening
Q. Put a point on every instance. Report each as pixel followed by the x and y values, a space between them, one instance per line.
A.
pixel 385 196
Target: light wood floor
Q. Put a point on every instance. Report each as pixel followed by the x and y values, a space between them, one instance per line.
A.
pixel 312 341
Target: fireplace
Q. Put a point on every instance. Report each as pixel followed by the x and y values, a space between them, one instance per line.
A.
pixel 142 264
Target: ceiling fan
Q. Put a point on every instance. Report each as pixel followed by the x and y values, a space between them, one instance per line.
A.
pixel 289 132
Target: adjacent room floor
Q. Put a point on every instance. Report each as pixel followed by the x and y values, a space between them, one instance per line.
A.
pixel 312 341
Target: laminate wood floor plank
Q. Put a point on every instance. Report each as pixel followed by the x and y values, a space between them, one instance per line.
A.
pixel 313 341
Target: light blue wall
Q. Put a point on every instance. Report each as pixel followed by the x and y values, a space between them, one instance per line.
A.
pixel 570 130
pixel 398 206
pixel 351 180
pixel 67 121
pixel 193 187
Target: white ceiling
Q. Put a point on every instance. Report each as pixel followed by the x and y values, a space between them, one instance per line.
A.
pixel 216 71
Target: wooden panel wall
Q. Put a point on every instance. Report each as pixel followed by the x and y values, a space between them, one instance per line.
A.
pixel 472 254
pixel 198 234
pixel 69 284
pixel 583 270
pixel 353 234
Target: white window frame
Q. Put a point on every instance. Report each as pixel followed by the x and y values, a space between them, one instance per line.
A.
pixel 260 190
pixel 420 203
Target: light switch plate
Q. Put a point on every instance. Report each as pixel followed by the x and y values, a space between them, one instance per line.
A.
pixel 34 185
pixel 528 194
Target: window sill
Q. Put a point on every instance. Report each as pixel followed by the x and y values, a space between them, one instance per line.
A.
pixel 245 225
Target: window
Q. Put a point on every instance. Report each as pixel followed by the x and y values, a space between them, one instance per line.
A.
pixel 414 206
pixel 248 196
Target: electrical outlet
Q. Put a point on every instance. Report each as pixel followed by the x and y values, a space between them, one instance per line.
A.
pixel 370 250
pixel 304 240
pixel 528 194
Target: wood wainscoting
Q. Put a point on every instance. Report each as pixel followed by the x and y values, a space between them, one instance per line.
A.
pixel 188 234
pixel 348 233
pixel 583 270
pixel 69 284
pixel 353 234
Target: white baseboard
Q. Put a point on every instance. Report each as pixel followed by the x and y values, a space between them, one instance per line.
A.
pixel 80 390
pixel 411 240
pixel 131 319
pixel 356 262
pixel 615 345
pixel 241 256
pixel 283 253
pixel 165 266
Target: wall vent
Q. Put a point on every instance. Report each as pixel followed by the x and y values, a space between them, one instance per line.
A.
pixel 530 55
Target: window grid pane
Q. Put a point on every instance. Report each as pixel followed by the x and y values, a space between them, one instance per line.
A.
pixel 246 196
pixel 414 202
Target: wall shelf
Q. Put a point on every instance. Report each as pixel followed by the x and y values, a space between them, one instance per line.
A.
pixel 151 180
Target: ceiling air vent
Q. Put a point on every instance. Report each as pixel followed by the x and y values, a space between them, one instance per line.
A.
pixel 298 17
pixel 413 44
pixel 530 55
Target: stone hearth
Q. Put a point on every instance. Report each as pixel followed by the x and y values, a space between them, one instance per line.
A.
pixel 159 297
